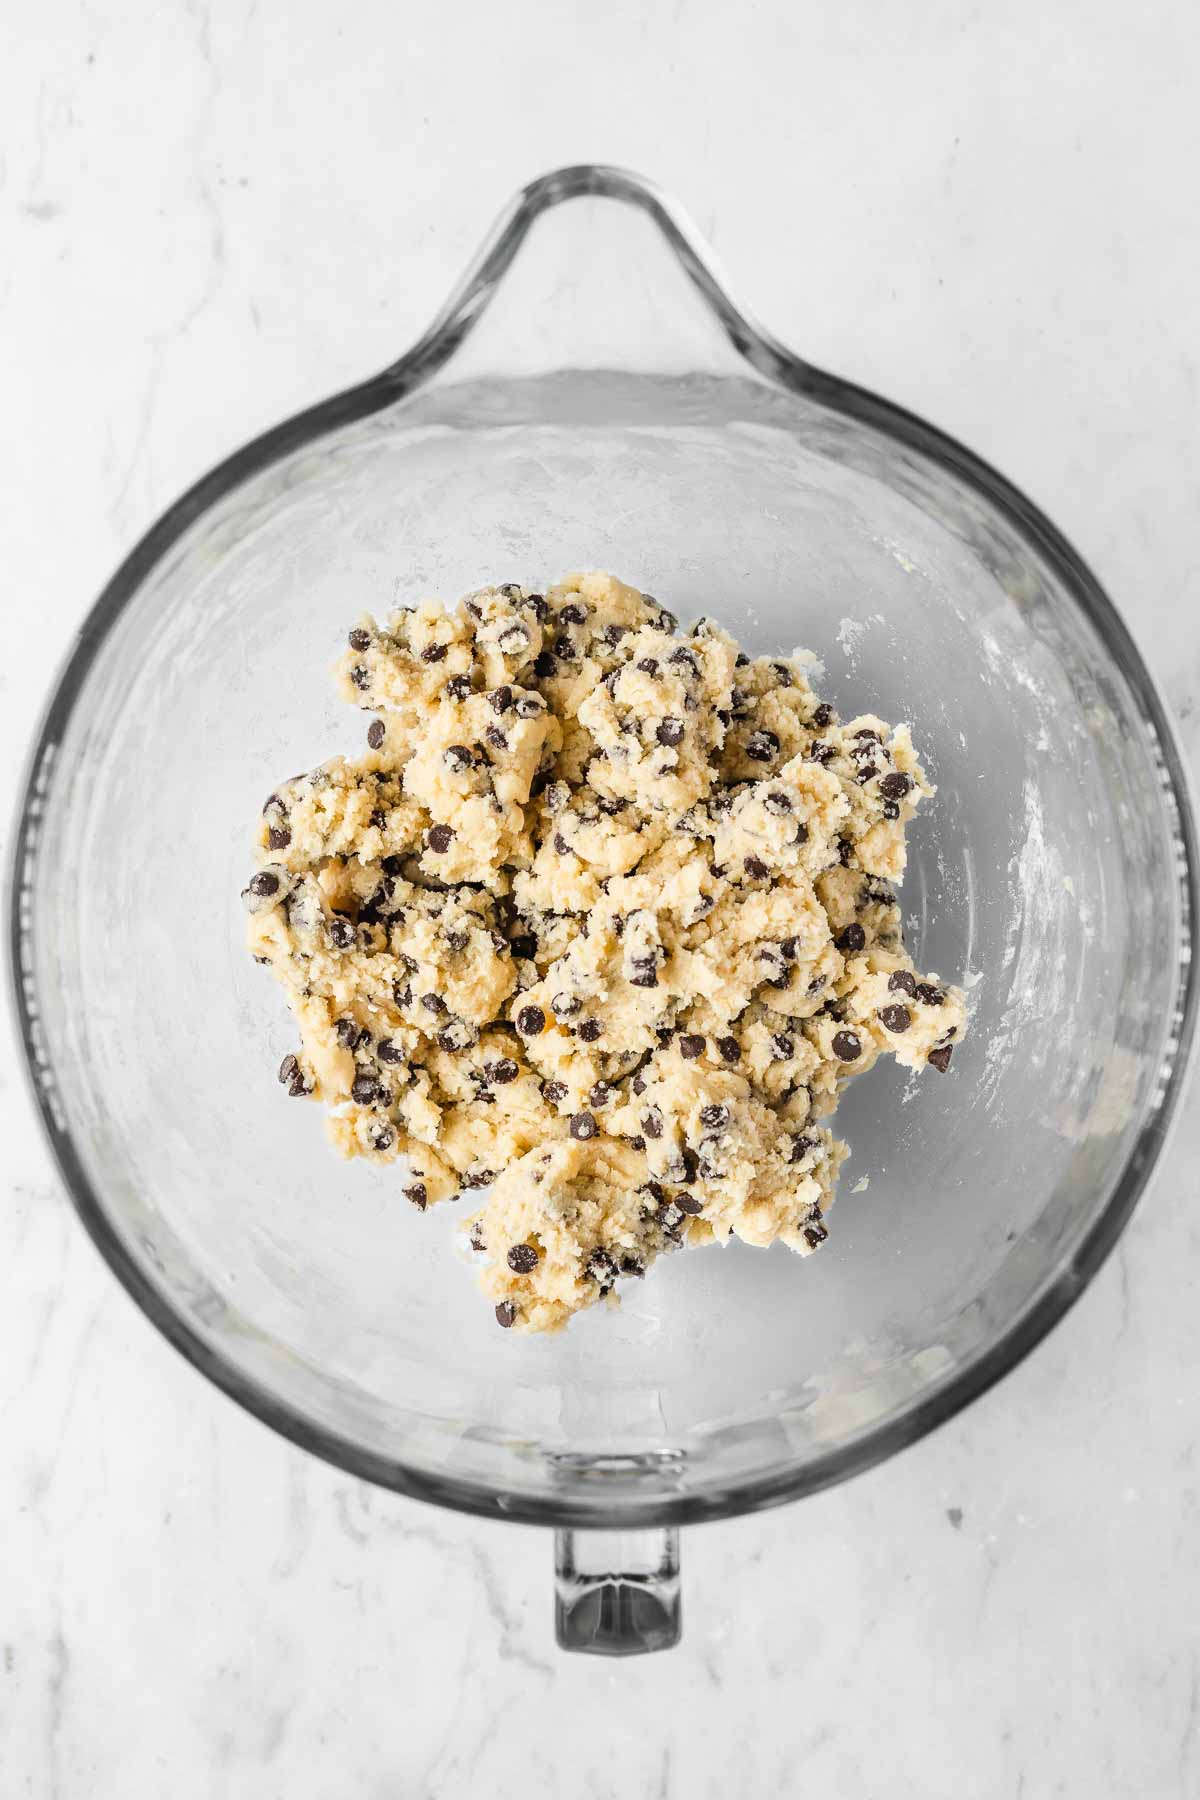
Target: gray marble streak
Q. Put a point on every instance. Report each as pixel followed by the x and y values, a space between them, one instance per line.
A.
pixel 212 213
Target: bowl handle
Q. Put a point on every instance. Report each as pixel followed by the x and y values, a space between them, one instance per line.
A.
pixel 540 298
pixel 616 1593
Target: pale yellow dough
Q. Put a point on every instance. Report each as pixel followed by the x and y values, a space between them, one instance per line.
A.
pixel 602 922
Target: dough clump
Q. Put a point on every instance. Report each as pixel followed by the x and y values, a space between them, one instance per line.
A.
pixel 602 921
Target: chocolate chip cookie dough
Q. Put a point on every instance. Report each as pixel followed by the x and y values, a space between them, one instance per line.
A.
pixel 602 921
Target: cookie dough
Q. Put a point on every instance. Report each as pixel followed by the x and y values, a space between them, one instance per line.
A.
pixel 602 922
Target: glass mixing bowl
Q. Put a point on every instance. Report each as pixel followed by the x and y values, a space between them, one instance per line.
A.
pixel 598 400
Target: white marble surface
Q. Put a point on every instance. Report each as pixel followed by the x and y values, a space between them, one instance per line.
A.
pixel 210 214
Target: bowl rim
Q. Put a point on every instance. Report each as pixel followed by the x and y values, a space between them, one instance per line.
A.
pixel 771 359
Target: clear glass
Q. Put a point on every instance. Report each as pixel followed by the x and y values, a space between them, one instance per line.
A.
pixel 616 1593
pixel 598 400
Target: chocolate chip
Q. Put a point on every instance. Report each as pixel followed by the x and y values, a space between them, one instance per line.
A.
pixel 506 1314
pixel 756 868
pixel 573 614
pixel 565 1006
pixel 382 1137
pixel 530 1021
pixel 501 699
pixel 610 808
pixel 553 1092
pixel 360 677
pixel 783 1046
pixel 346 1031
pixel 688 1203
pixel 685 1166
pixel 895 1018
pixel 638 1084
pixel 895 786
pixel 561 844
pixel 457 758
pixel 365 1089
pixel 600 1095
pixel 684 659
pixel 865 731
pixel 823 715
pixel 502 1072
pixel 522 1259
pixel 544 665
pixel 730 1049
pixel 652 1123
pixel 458 687
pixel 376 732
pixel 389 1052
pixel 513 640
pixel 940 1058
pixel 845 851
pixel 867 773
pixel 846 1046
pixel 433 1003
pixel 439 839
pixel 582 1126
pixel 670 731
pixel 851 940
pixel 289 1068
pixel 648 665
pixel 418 1193
pixel 278 837
pixel 529 706
pixel 814 1232
pixel 902 981
pixel 932 996
pixel 360 639
pixel 716 1116
pixel 761 746
pixel 478 1178
pixel 822 752
pixel 778 802
pixel 401 995
pixel 601 1268
pixel 433 653
pixel 591 1030
pixel 691 1045
pixel 341 933
pixel 264 884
